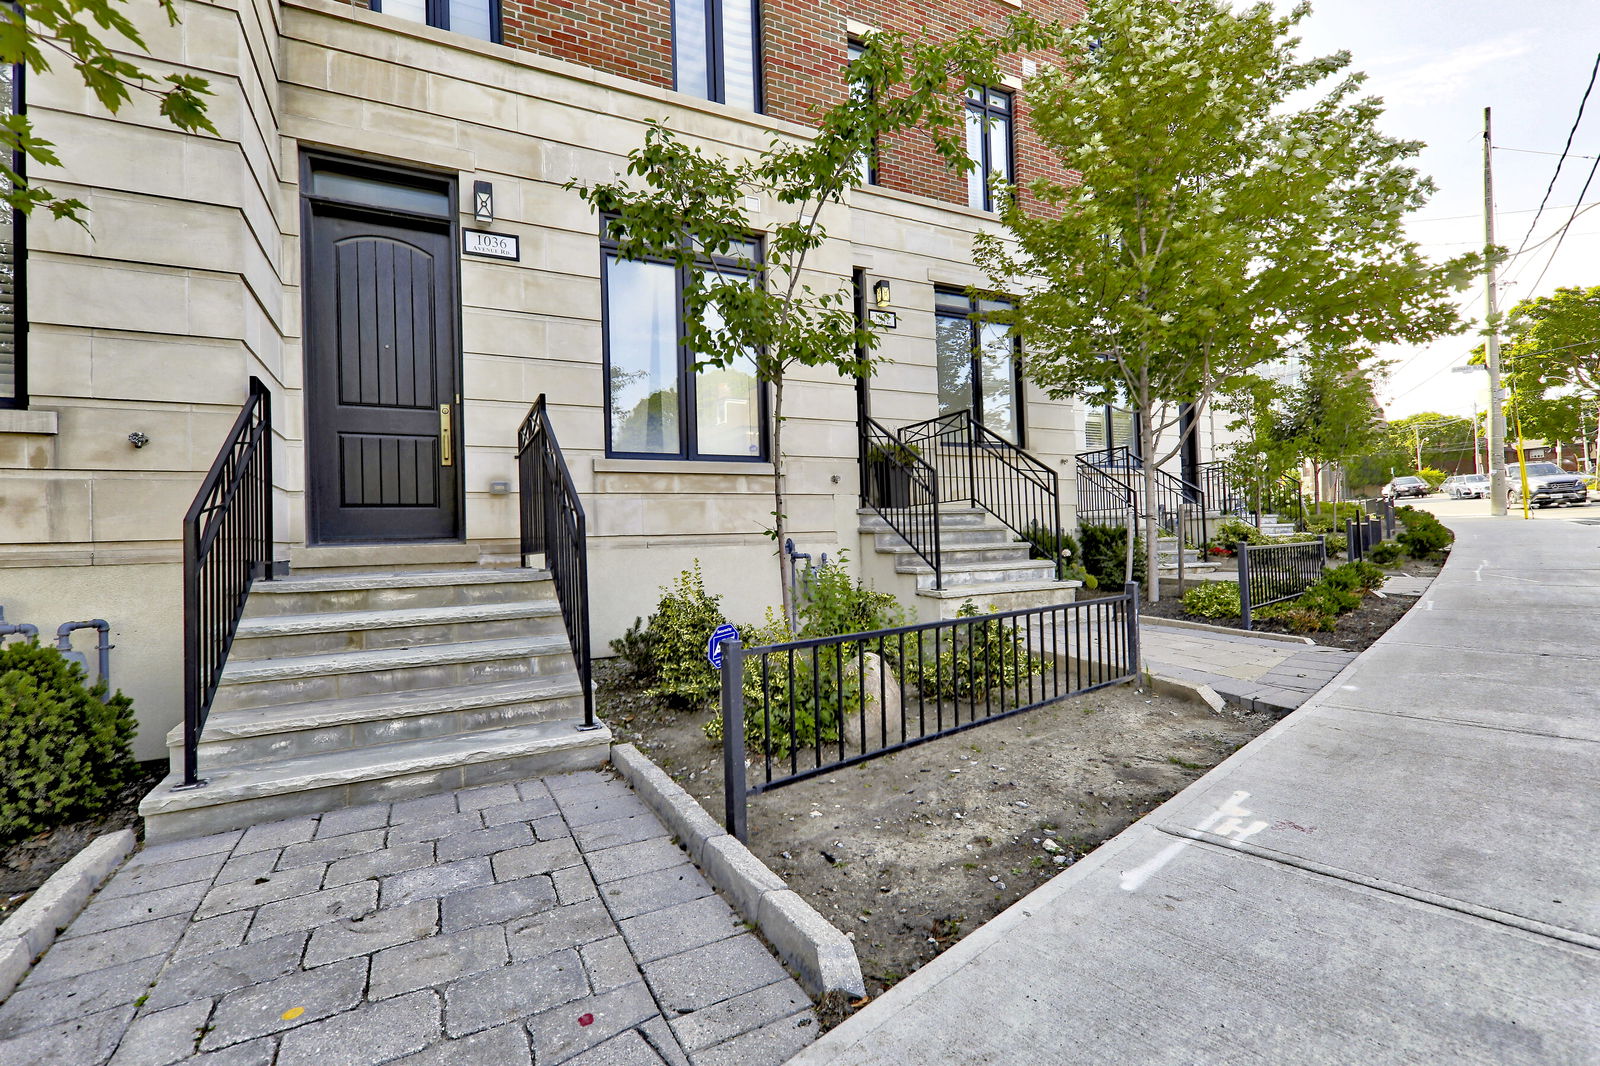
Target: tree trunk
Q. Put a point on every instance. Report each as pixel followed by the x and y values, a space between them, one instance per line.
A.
pixel 779 517
pixel 1152 553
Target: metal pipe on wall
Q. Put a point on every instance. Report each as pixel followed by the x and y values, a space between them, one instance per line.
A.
pixel 64 642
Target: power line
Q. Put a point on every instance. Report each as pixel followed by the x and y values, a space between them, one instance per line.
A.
pixel 1573 132
pixel 1536 151
pixel 1565 227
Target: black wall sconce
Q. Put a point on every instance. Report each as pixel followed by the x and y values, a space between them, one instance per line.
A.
pixel 882 294
pixel 483 201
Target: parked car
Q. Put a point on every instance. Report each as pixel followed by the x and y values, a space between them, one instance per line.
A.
pixel 1548 485
pixel 1402 487
pixel 1467 486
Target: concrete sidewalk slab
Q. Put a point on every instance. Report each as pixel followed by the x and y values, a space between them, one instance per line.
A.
pixel 1401 872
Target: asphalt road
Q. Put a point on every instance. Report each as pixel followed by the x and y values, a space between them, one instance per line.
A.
pixel 1446 509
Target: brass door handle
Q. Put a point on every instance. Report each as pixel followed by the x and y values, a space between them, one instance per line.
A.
pixel 444 434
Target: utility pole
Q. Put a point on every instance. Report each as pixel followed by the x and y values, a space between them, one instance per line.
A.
pixel 1497 400
pixel 1477 457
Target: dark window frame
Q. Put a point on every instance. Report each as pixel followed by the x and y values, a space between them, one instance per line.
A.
pixel 19 265
pixel 438 16
pixel 974 318
pixel 1006 117
pixel 688 377
pixel 716 83
pixel 871 176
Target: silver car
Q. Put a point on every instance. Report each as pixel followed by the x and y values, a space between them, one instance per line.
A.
pixel 1467 486
pixel 1548 486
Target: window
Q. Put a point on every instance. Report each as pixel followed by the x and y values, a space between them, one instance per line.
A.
pixel 475 18
pixel 978 367
pixel 988 143
pixel 657 405
pixel 1107 427
pixel 715 50
pixel 13 257
pixel 869 160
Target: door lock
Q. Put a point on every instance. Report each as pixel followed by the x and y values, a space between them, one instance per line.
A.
pixel 444 434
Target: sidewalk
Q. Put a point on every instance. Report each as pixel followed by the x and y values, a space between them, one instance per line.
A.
pixel 1252 673
pixel 1403 871
pixel 552 921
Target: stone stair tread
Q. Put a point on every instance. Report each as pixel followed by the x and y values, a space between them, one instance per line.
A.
pixel 916 565
pixel 246 671
pixel 967 592
pixel 378 762
pixel 392 618
pixel 944 509
pixel 398 579
pixel 349 710
pixel 1005 546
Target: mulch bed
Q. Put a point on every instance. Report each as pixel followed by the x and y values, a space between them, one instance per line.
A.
pixel 27 864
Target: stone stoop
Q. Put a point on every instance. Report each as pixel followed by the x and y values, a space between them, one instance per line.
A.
pixel 1167 551
pixel 350 687
pixel 983 562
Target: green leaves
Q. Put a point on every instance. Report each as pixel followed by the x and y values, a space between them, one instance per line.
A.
pixel 89 34
pixel 1552 360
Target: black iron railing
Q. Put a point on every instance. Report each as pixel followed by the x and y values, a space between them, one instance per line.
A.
pixel 809 707
pixel 1180 506
pixel 1272 573
pixel 981 468
pixel 227 544
pixel 1103 500
pixel 898 483
pixel 1224 494
pixel 553 524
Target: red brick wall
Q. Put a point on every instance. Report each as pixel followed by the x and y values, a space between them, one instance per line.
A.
pixel 803 46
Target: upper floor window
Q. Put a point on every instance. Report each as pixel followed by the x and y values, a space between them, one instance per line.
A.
pixel 658 405
pixel 869 160
pixel 13 256
pixel 988 143
pixel 716 50
pixel 475 18
pixel 978 365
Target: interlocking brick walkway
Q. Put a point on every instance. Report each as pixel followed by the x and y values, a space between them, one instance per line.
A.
pixel 1252 672
pixel 547 921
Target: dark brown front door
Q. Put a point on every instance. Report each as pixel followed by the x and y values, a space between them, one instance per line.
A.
pixel 382 377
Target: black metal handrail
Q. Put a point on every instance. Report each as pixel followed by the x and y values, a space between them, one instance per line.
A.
pixel 978 466
pixel 552 523
pixel 227 544
pixel 813 706
pixel 903 488
pixel 1272 573
pixel 1180 506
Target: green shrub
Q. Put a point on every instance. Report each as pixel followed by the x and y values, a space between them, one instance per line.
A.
pixel 637 648
pixel 978 659
pixel 837 605
pixel 1213 599
pixel 1105 551
pixel 1433 476
pixel 678 630
pixel 63 746
pixel 1423 535
pixel 1386 553
pixel 1345 578
pixel 1233 531
pixel 784 710
pixel 1046 544
pixel 1307 619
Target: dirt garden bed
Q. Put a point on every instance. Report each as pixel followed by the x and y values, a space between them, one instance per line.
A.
pixel 910 852
pixel 1354 631
pixel 27 864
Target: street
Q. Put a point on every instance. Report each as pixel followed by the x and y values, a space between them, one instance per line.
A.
pixel 1447 509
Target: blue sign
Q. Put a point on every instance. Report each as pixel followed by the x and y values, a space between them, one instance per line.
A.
pixel 714 645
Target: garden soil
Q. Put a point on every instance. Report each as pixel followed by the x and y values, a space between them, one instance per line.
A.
pixel 910 852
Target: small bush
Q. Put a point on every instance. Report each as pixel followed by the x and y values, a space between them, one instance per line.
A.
pixel 1387 553
pixel 677 631
pixel 637 648
pixel 837 605
pixel 1424 535
pixel 784 711
pixel 63 746
pixel 1045 544
pixel 980 658
pixel 1213 599
pixel 1307 619
pixel 1105 551
pixel 1433 476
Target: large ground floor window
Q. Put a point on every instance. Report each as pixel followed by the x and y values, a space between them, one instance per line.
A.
pixel 658 405
pixel 978 365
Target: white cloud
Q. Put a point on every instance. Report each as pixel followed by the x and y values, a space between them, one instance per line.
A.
pixel 1415 79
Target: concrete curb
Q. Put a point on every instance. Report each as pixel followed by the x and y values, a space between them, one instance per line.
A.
pixel 1179 623
pixel 33 928
pixel 821 955
pixel 1193 691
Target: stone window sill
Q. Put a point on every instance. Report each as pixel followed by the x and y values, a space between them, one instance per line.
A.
pixel 678 467
pixel 36 422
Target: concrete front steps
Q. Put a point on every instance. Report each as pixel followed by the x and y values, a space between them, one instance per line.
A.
pixel 358 686
pixel 982 561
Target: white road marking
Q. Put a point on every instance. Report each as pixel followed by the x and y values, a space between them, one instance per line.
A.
pixel 1229 808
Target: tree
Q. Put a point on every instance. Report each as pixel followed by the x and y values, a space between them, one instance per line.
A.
pixel 1217 227
pixel 689 208
pixel 1552 359
pixel 1331 416
pixel 1426 438
pixel 86 33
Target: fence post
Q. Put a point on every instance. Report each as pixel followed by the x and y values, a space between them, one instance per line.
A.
pixel 1183 516
pixel 1131 590
pixel 1352 549
pixel 733 781
pixel 1244 584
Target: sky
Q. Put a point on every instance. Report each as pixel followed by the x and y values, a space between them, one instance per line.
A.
pixel 1437 64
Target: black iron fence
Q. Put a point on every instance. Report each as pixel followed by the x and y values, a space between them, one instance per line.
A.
pixel 977 466
pixel 1180 506
pixel 553 524
pixel 808 707
pixel 904 489
pixel 1272 573
pixel 227 544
